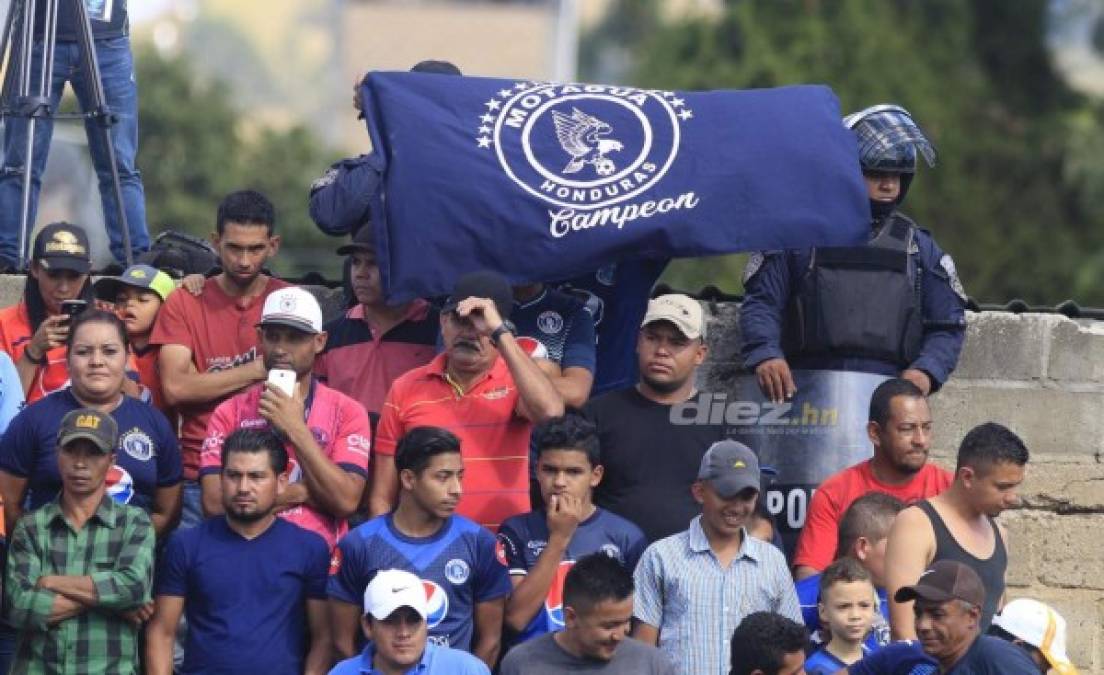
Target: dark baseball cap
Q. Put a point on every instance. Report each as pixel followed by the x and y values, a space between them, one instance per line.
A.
pixel 730 467
pixel 483 284
pixel 945 580
pixel 62 246
pixel 363 240
pixel 91 425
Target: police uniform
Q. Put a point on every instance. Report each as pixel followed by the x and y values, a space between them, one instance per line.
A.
pixel 341 197
pixel 891 305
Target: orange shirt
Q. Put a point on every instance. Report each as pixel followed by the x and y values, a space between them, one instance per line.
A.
pixel 494 439
pixel 15 335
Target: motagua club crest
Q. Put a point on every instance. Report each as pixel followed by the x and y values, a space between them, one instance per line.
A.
pixel 590 151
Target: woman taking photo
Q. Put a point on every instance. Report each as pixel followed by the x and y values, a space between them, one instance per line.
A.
pixel 147 470
pixel 33 332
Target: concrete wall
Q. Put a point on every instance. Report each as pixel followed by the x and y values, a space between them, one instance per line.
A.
pixel 1042 376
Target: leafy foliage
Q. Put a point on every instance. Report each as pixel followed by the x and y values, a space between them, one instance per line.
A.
pixel 1014 197
pixel 196 146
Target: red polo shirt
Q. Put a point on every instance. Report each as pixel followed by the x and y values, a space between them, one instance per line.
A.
pixel 494 439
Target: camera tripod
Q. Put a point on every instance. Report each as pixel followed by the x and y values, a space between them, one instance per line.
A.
pixel 23 97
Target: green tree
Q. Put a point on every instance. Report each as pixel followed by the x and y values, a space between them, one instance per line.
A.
pixel 196 146
pixel 1014 195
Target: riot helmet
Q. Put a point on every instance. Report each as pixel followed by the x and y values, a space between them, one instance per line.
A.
pixel 889 141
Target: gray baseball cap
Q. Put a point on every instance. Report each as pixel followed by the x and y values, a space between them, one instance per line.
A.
pixel 730 467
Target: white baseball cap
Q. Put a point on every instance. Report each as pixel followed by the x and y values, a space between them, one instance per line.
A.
pixel 392 589
pixel 292 307
pixel 1041 627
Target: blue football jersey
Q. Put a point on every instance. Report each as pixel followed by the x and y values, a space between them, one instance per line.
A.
pixel 562 324
pixel 522 539
pixel 808 594
pixel 458 567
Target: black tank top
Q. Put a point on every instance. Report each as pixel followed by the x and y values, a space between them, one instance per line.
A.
pixel 991 570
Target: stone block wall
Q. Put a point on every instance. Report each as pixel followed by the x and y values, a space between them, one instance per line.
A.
pixel 1042 376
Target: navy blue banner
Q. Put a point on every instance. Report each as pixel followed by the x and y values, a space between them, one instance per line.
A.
pixel 543 181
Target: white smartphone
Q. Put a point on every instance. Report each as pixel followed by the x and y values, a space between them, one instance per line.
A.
pixel 283 379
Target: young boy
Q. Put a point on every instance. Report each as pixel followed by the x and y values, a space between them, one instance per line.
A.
pixel 847 607
pixel 137 296
pixel 862 536
pixel 541 546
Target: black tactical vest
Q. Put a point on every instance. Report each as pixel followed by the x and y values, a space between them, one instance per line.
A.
pixel 859 302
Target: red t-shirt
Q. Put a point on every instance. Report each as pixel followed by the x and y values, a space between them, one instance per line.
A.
pixel 339 426
pixel 221 333
pixel 816 547
pixel 494 439
pixel 15 335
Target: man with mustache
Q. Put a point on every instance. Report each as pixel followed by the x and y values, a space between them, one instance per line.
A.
pixel 252 585
pixel 326 433
pixel 80 568
pixel 484 388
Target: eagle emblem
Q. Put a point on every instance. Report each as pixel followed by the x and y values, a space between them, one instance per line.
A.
pixel 581 136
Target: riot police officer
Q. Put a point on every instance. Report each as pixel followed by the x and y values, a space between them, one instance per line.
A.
pixel 894 306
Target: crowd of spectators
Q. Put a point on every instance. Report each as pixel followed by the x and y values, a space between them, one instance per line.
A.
pixel 213 479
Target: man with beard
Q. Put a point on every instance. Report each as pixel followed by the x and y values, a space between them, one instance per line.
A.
pixel 484 388
pixel 899 427
pixel 960 524
pixel 243 580
pixel 326 433
pixel 651 452
pixel 208 342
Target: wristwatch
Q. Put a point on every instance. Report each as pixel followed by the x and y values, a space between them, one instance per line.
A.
pixel 506 327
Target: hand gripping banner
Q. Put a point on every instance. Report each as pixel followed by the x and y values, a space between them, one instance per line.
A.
pixel 543 181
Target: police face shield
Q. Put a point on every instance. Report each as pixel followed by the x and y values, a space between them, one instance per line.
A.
pixel 889 141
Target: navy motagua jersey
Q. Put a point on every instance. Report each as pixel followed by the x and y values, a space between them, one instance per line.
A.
pixel 457 565
pixel 522 539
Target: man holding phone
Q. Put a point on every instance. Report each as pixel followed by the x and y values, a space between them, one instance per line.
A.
pixel 325 432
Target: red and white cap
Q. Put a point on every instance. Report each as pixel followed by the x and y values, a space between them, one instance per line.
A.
pixel 293 307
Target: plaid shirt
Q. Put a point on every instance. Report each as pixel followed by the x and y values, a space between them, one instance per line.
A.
pixel 115 549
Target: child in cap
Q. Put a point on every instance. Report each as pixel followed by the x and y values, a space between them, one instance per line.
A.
pixel 137 296
pixel 848 605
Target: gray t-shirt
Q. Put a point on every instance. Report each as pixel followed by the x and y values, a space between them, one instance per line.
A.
pixel 542 656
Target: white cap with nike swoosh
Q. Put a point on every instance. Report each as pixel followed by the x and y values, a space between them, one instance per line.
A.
pixel 392 589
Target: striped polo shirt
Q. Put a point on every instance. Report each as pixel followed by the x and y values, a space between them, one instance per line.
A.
pixel 682 589
pixel 361 362
pixel 494 439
